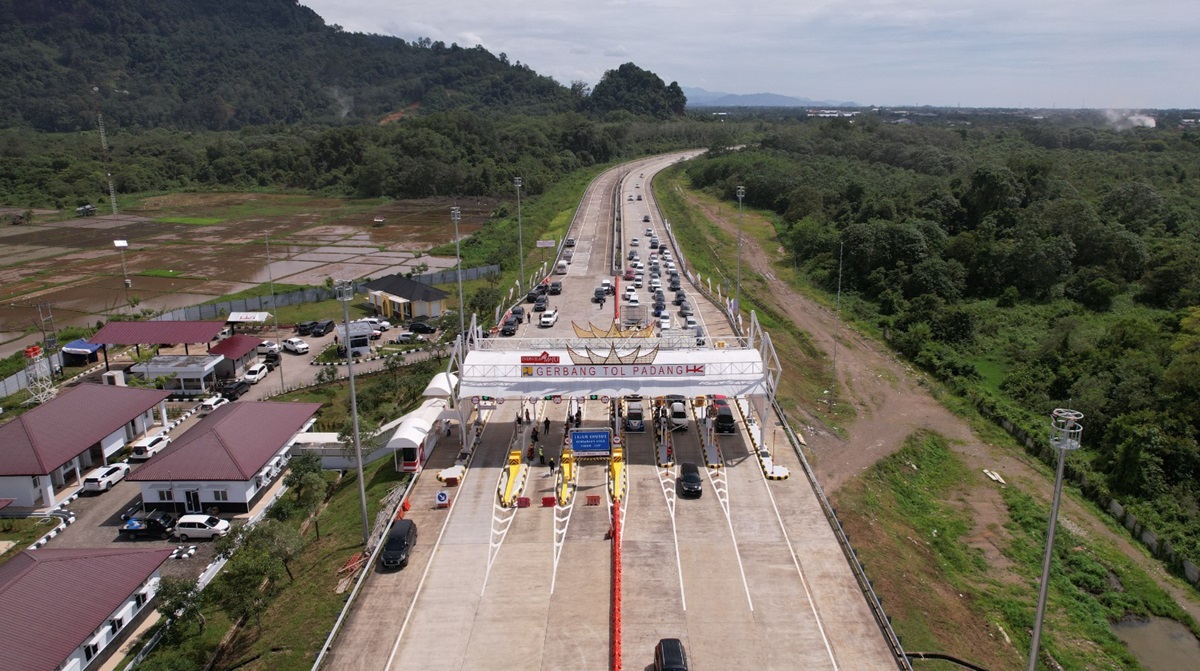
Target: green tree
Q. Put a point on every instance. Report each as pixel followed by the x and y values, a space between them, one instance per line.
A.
pixel 310 495
pixel 180 599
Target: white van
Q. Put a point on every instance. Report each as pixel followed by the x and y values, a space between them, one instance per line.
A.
pixel 677 412
pixel 561 269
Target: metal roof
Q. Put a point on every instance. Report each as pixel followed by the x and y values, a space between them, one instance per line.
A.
pixel 403 287
pixel 236 347
pixel 57 431
pixel 52 600
pixel 231 444
pixel 166 333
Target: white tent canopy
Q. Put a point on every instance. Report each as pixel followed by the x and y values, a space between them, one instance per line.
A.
pixel 415 426
pixel 240 317
pixel 441 386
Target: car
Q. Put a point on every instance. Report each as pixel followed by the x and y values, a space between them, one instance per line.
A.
pixel 630 197
pixel 720 400
pixel 659 295
pixel 541 304
pixel 674 285
pixel 689 322
pixel 664 321
pixel 376 334
pixel 255 373
pixel 724 422
pixel 608 287
pixel 399 544
pixel 267 346
pixel 654 243
pixel 629 291
pixel 548 319
pixel 645 217
pixel 323 327
pixel 234 389
pixel 408 338
pixel 271 360
pixel 295 346
pixel 639 196
pixel 421 327
pixel 669 655
pixel 532 296
pixel 635 415
pixel 377 323
pixel 555 288
pixel 632 255
pixel 629 273
pixel 634 301
pixel 569 242
pixel 690 483
pixel 655 283
pixel 637 186
pixel 305 328
pixel 685 309
pixel 510 326
pixel 649 231
pixel 638 265
pixel 211 403
pixel 102 479
pixel 518 312
pixel 637 282
pixel 677 411
pixel 149 446
pixel 155 524
pixel 599 294
pixel 633 242
pixel 200 526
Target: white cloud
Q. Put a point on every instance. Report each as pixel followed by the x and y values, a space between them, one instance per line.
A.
pixel 1102 53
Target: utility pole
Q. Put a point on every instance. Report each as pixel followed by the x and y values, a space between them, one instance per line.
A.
pixel 520 234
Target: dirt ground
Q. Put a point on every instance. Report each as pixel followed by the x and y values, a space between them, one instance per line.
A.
pixel 892 401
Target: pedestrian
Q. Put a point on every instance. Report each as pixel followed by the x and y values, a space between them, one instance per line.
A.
pixel 529 453
pixel 518 419
pixel 526 414
pixel 551 465
pixel 534 434
pixel 541 456
pixel 528 316
pixel 579 417
pixel 546 424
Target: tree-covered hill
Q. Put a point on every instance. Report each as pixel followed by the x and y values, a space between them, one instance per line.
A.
pixel 227 64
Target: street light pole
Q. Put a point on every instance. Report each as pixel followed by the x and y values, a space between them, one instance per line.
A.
pixel 1065 430
pixel 345 293
pixel 455 215
pixel 737 303
pixel 520 234
pixel 121 245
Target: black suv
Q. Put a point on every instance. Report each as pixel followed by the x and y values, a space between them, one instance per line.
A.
pixel 156 524
pixel 724 422
pixel 305 328
pixel 540 305
pixel 555 288
pixel 518 312
pixel 510 326
pixel 271 359
pixel 421 327
pixel 598 295
pixel 233 389
pixel 690 483
pixel 323 327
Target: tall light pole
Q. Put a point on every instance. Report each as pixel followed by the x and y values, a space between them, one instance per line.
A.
pixel 274 308
pixel 121 245
pixel 455 215
pixel 345 293
pixel 737 303
pixel 1065 430
pixel 520 235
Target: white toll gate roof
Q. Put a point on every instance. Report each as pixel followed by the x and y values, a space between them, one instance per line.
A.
pixel 510 374
pixel 416 425
pixel 441 386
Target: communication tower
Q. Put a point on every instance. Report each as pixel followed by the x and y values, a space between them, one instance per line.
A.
pixel 37 371
pixel 112 194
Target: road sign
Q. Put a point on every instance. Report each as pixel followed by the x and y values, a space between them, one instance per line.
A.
pixel 442 499
pixel 500 400
pixel 604 399
pixel 475 400
pixel 547 243
pixel 616 440
pixel 590 442
pixel 558 399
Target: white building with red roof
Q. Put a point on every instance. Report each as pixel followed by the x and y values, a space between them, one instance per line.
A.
pixel 65 609
pixel 226 461
pixel 44 451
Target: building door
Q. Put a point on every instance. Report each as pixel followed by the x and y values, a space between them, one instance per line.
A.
pixel 192 500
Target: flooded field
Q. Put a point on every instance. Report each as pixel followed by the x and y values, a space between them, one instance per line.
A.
pixel 1160 644
pixel 195 247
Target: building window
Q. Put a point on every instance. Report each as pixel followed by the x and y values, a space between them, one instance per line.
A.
pixel 90 650
pixel 220 495
pixel 139 599
pixel 115 624
pixel 166 495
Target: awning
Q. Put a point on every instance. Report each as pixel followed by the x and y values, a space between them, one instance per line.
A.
pixel 441 386
pixel 81 347
pixel 241 317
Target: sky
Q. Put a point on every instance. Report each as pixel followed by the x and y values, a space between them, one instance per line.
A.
pixel 1131 54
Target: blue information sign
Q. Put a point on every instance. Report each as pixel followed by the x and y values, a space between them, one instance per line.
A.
pixel 591 441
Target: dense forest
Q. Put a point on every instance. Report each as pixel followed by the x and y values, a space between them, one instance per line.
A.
pixel 1034 264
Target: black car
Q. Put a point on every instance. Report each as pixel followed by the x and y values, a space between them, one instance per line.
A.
pixel 724 423
pixel 233 389
pixel 690 483
pixel 323 327
pixel 532 296
pixel 540 305
pixel 685 309
pixel 669 655
pixel 653 243
pixel 680 297
pixel 398 547
pixel 305 328
pixel 156 524
pixel 598 295
pixel 518 312
pixel 510 326
pixel 421 327
pixel 659 295
pixel 674 284
pixel 555 288
pixel 645 217
pixel 271 359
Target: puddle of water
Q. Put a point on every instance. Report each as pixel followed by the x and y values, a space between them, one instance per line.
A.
pixel 1160 644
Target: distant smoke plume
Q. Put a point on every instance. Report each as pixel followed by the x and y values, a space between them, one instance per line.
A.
pixel 1124 119
pixel 346 102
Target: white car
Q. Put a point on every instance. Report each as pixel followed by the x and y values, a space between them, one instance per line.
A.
pixel 200 526
pixel 689 322
pixel 629 291
pixel 256 372
pixel 664 321
pixel 268 346
pixel 548 319
pixel 295 346
pixel 148 447
pixel 102 479
pixel 633 242
pixel 634 301
pixel 211 403
pixel 649 231
pixel 408 337
pixel 377 323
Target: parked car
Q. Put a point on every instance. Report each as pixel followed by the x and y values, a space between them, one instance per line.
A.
pixel 234 389
pixel 271 360
pixel 200 526
pixel 607 285
pixel 305 328
pixel 149 446
pixel 399 545
pixel 255 373
pixel 211 403
pixel 268 346
pixel 548 319
pixel 541 304
pixel 323 327
pixel 156 524
pixel 408 338
pixel 102 479
pixel 532 296
pixel 555 288
pixel 421 327
pixel 377 323
pixel 690 483
pixel 510 327
pixel 295 346
pixel 664 321
pixel 669 655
